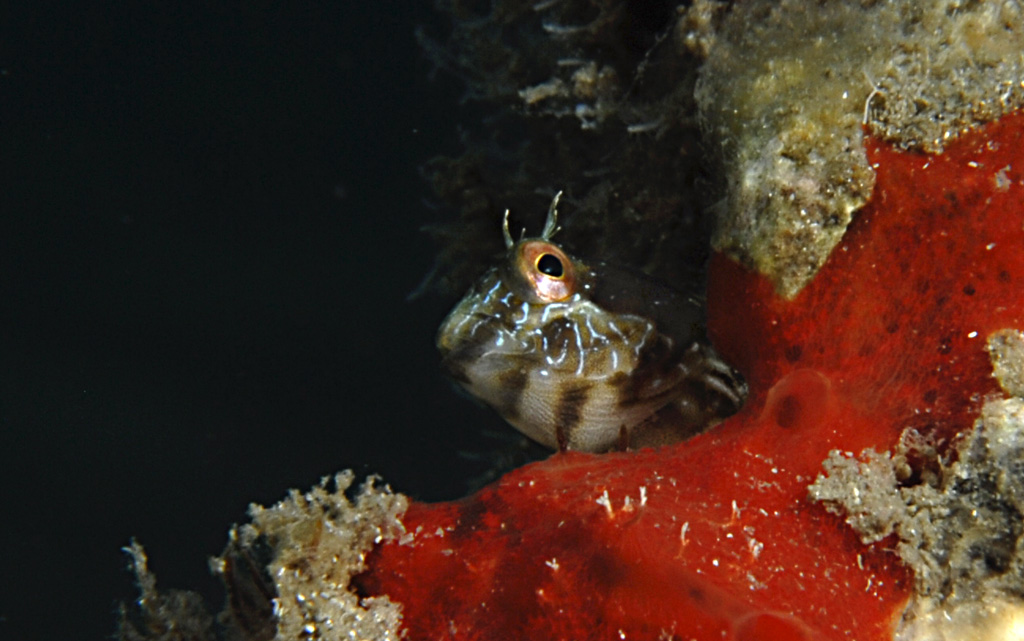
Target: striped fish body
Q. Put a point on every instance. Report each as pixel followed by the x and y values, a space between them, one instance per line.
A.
pixel 582 357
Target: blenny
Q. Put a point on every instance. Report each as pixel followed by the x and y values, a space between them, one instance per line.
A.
pixel 585 355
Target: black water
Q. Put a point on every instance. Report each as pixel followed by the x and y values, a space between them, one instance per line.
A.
pixel 209 223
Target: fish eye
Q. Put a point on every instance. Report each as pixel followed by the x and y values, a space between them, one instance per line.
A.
pixel 545 271
pixel 550 264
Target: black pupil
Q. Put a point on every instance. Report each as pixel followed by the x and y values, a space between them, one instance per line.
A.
pixel 550 265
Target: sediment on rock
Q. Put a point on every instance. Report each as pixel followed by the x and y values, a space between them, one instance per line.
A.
pixel 788 87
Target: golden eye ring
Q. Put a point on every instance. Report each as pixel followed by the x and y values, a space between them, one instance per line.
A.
pixel 547 270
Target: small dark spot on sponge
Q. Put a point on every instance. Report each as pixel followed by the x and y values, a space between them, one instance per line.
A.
pixel 787 414
pixel 793 353
pixel 946 345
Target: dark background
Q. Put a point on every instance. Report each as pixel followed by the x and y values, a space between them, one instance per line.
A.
pixel 209 223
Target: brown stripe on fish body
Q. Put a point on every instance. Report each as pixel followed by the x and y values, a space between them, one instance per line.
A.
pixel 454 366
pixel 658 360
pixel 456 362
pixel 568 409
pixel 511 384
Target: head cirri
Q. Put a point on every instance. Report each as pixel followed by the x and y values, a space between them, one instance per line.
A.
pixel 584 355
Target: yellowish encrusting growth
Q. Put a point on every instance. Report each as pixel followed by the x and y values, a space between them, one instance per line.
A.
pixel 788 86
pixel 1006 348
pixel 959 525
pixel 778 94
pixel 287 574
pixel 319 540
pixel 951 65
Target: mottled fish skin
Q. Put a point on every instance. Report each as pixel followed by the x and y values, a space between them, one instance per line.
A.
pixel 577 362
